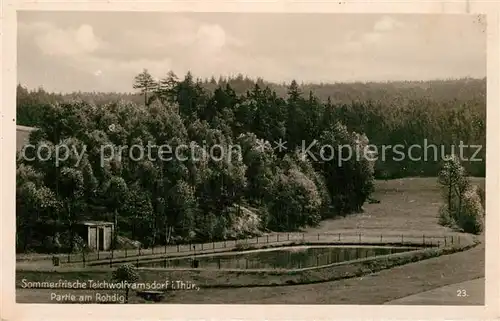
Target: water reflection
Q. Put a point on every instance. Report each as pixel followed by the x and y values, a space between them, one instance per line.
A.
pixel 284 258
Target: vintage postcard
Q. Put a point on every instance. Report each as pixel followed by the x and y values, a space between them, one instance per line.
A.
pixel 283 160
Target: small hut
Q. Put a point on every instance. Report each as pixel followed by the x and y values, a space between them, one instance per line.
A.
pixel 98 235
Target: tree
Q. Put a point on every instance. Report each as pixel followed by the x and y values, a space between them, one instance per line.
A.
pixel 261 166
pixel 116 192
pixel 182 208
pixel 297 201
pixel 138 214
pixel 166 89
pixel 126 273
pixel 34 203
pixel 463 207
pixel 145 83
pixel 347 167
pixel 454 183
pixel 471 219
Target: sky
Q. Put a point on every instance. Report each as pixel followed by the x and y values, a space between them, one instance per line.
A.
pixel 103 51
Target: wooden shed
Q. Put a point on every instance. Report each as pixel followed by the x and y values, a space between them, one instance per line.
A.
pixel 97 234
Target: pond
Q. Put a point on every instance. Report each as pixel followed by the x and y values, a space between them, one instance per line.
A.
pixel 279 258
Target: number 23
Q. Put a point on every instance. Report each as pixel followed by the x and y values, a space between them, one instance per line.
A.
pixel 461 293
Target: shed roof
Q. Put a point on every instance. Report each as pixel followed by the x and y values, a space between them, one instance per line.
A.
pixel 96 223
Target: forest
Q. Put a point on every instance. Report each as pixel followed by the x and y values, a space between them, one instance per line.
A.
pixel 265 189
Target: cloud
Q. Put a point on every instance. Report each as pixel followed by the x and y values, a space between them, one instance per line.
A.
pixel 79 48
pixel 383 29
pixel 211 37
pixel 95 52
pixel 54 41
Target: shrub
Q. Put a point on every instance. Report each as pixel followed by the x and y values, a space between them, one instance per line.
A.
pixel 244 222
pixel 126 273
pixel 471 218
pixel 445 218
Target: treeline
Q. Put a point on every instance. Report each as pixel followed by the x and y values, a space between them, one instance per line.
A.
pixel 188 199
pixel 441 113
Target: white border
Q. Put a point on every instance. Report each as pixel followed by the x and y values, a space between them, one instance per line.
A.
pixel 11 311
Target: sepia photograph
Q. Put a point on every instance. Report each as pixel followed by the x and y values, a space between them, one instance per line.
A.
pixel 250 158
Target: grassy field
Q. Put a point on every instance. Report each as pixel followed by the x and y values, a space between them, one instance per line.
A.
pixel 407 206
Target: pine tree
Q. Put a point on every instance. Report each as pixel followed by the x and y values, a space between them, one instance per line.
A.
pixel 146 83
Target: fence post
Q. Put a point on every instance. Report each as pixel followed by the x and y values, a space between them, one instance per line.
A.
pixel 339 237
pixel 178 249
pixel 402 239
pixel 137 263
pixel 224 243
pixel 125 252
pixel 423 239
pixel 83 257
pixel 218 263
pixel 452 240
pixel 277 237
pixel 69 257
pixel 267 237
pixel 246 264
pixel 111 261
pixel 380 238
pixel 140 250
pixel 317 260
pixel 97 253
pixel 213 245
pixel 359 237
pixel 288 236
pixel 257 239
pixel 444 237
pixel 459 240
pixel 303 237
pixel 318 236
